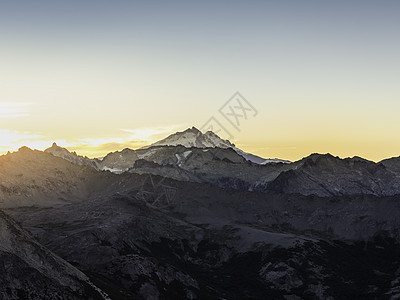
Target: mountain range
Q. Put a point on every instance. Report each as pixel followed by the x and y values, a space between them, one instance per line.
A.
pixel 193 156
pixel 192 217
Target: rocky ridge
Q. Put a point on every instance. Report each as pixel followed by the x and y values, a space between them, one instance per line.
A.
pixel 30 271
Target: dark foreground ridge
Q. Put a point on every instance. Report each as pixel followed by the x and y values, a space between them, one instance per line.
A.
pixel 137 235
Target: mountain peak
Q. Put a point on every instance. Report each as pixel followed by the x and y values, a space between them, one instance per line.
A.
pixel 54 145
pixel 25 149
pixel 64 153
pixel 193 129
pixel 56 149
pixel 193 137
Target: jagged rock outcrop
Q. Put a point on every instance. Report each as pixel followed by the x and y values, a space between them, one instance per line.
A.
pixel 119 161
pixel 71 156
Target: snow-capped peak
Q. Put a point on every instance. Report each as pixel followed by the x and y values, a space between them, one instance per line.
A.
pixel 192 137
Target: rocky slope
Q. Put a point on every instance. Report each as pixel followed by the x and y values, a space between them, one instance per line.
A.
pixel 22 181
pixel 326 175
pixel 150 237
pixel 322 175
pixel 30 271
pixel 121 161
pixel 392 164
pixel 205 242
pixel 71 156
pixel 33 178
pixel 222 167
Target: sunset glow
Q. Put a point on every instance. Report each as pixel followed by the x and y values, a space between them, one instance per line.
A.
pixel 318 85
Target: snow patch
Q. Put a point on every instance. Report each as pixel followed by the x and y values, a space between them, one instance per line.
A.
pixel 181 157
pixel 147 154
pixel 186 153
pixel 113 170
pixel 275 160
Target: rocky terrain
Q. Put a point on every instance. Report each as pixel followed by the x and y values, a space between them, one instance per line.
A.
pixel 326 175
pixel 194 138
pixel 71 156
pixel 318 174
pixel 196 157
pixel 149 237
pixel 198 223
pixel 121 161
pixel 30 271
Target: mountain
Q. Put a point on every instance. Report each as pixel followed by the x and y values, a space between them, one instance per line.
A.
pixel 30 271
pixel 223 167
pixel 392 164
pixel 208 238
pixel 22 179
pixel 322 175
pixel 149 237
pixel 122 161
pixel 35 178
pixel 118 162
pixel 193 137
pixel 326 175
pixel 71 156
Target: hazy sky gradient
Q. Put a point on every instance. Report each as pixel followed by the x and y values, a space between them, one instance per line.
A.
pixel 97 76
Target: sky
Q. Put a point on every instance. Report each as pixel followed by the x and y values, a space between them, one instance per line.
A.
pixel 99 76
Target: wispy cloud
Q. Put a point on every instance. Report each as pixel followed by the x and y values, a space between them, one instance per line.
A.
pixel 11 140
pixel 13 110
pixel 149 134
pixel 129 138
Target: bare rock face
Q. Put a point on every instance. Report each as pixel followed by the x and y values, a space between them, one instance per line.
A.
pixel 322 175
pixel 71 156
pixel 119 161
pixel 194 138
pixel 30 271
pixel 22 181
pixel 222 167
pixel 325 175
pixel 392 164
pixel 33 178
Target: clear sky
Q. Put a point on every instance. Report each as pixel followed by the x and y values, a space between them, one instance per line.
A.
pixel 98 76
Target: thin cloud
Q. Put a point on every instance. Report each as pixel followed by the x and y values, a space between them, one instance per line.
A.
pixel 13 110
pixel 149 134
pixel 129 138
pixel 11 140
